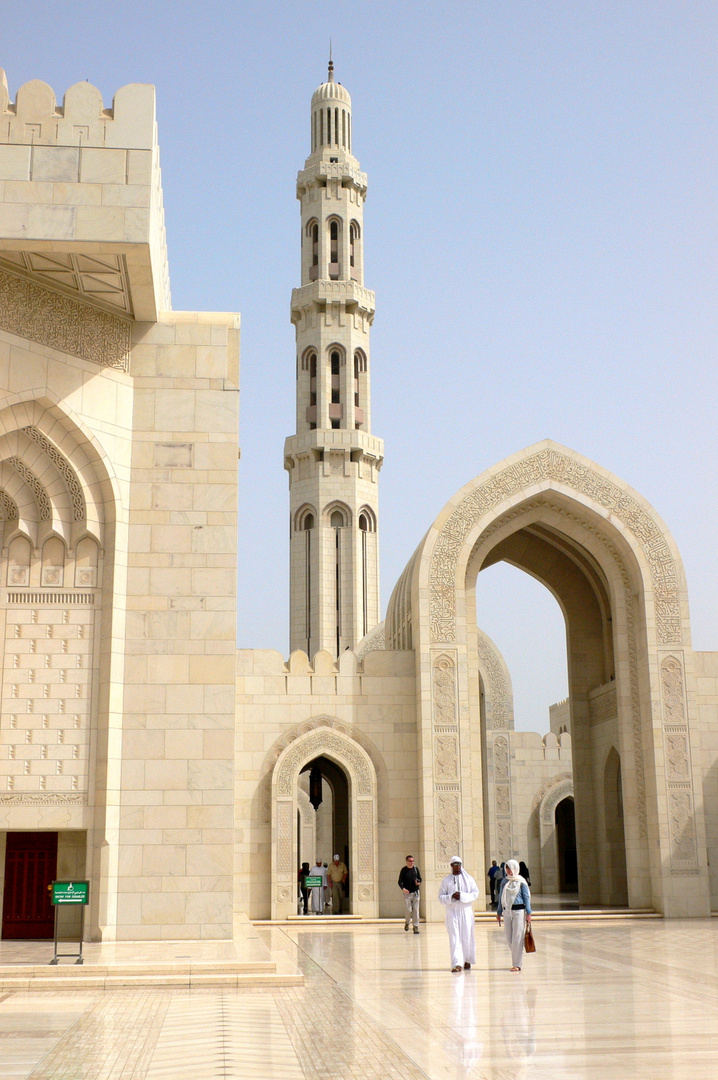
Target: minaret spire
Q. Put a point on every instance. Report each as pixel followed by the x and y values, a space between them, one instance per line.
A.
pixel 333 460
pixel 330 71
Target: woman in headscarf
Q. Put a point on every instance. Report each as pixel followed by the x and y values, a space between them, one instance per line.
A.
pixel 515 907
pixel 459 892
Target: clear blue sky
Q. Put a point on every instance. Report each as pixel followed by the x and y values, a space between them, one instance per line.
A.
pixel 540 232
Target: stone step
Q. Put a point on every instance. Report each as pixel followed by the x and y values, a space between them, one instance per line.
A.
pixel 68 976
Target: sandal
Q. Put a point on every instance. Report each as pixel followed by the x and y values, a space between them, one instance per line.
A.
pixel 515 969
pixel 467 967
pixel 458 968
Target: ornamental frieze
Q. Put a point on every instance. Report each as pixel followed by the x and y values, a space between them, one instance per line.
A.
pixel 58 321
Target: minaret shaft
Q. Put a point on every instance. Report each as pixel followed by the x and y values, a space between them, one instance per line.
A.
pixel 333 460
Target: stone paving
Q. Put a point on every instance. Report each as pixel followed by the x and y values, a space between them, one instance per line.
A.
pixel 625 1000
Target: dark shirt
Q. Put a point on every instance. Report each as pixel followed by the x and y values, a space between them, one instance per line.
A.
pixel 410 878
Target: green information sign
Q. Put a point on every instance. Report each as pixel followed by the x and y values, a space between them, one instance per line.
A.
pixel 312 881
pixel 71 892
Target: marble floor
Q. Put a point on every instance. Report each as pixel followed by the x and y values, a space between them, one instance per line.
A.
pixel 621 1001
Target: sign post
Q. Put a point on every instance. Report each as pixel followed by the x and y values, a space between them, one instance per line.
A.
pixel 72 893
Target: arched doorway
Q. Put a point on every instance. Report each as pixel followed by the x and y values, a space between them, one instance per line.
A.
pixel 566 847
pixel 616 574
pixel 348 782
pixel 327 789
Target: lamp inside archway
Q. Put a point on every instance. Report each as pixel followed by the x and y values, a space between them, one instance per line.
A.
pixel 315 787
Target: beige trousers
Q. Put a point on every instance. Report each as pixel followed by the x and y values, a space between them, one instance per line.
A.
pixel 515 929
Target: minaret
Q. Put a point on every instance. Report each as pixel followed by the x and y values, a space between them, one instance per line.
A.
pixel 333 460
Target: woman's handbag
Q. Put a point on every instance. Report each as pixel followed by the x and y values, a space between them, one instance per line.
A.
pixel 529 943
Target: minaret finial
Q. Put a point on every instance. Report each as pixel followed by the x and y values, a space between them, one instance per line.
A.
pixel 330 77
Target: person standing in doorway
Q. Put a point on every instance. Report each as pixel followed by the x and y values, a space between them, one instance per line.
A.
pixel 303 873
pixel 409 882
pixel 494 872
pixel 459 892
pixel 515 907
pixel 319 870
pixel 337 875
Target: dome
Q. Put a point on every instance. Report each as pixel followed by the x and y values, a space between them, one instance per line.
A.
pixel 331 91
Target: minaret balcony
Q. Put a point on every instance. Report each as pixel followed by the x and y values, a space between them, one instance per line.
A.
pixel 324 291
pixel 344 171
pixel 351 440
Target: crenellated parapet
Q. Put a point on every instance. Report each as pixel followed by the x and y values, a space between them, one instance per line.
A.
pixel 36 118
pixel 92 223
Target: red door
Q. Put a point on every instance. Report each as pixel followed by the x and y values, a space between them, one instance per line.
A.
pixel 30 866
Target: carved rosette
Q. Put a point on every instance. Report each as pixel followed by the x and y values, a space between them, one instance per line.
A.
pixel 550 464
pixel 679 780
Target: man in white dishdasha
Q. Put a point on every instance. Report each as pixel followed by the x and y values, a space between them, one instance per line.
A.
pixel 459 892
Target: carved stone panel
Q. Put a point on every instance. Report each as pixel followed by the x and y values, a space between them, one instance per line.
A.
pixel 444 691
pixel 448 828
pixel 284 838
pixel 365 840
pixel 679 784
pixel 446 758
pixel 502 796
pixel 52 319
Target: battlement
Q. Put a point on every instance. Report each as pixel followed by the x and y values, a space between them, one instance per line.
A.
pixel 81 207
pixel 35 118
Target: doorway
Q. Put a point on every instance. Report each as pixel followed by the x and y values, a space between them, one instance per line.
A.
pixel 30 867
pixel 326 786
pixel 566 845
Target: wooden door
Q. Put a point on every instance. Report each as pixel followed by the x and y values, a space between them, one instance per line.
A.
pixel 30 866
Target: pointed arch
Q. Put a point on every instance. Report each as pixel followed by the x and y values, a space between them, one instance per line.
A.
pixel 614 568
pixel 336 745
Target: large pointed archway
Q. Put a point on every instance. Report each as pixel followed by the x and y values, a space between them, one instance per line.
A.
pixel 356 765
pixel 615 571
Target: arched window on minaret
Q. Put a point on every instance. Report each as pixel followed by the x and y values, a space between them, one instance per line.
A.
pixel 305 523
pixel 308 392
pixel 360 392
pixel 334 229
pixel 354 251
pixel 367 524
pixel 312 235
pixel 338 519
pixel 335 398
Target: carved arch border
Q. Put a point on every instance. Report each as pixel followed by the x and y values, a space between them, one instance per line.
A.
pixel 553 465
pixel 328 721
pixel 353 759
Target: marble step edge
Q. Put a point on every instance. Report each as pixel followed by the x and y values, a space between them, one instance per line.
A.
pixel 86 981
pixel 135 970
pixel 479 916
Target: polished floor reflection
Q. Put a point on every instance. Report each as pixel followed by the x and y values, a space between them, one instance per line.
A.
pixel 628 1000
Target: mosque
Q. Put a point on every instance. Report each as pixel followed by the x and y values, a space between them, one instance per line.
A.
pixel 187 780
